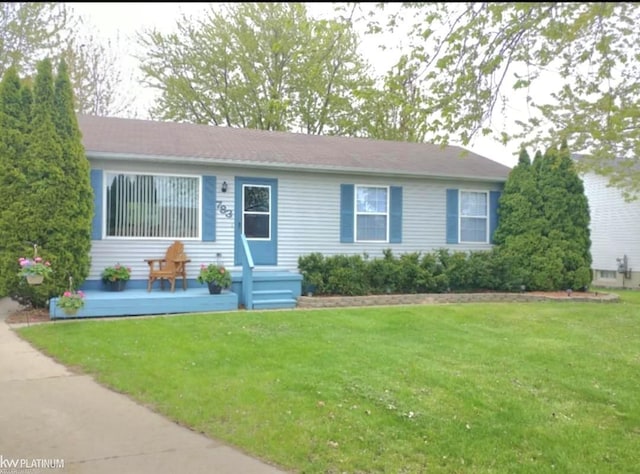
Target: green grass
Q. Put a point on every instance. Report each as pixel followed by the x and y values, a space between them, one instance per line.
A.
pixel 475 388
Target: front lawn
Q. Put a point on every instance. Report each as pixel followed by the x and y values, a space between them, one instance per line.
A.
pixel 474 388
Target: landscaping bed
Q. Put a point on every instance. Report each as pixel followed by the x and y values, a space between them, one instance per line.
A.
pixel 41 315
pixel 443 298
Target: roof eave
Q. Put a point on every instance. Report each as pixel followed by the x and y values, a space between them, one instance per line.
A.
pixel 281 166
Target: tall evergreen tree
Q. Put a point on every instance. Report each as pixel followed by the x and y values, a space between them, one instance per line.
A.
pixel 566 210
pixel 516 208
pixel 13 182
pixel 53 207
pixel 543 234
pixel 519 234
pixel 71 238
pixel 34 212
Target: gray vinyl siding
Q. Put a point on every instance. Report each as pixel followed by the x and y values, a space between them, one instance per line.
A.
pixel 614 226
pixel 308 218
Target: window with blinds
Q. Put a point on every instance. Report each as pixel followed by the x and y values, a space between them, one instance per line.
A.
pixel 372 215
pixel 152 206
pixel 474 216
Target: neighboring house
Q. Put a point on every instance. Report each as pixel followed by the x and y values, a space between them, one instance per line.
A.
pixel 291 194
pixel 615 227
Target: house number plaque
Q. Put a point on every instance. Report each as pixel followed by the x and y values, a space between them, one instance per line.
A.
pixel 222 209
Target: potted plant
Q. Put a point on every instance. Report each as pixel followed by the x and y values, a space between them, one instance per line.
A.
pixel 116 276
pixel 34 270
pixel 215 276
pixel 71 301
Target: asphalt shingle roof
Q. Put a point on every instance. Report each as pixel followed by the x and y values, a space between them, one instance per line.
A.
pixel 181 142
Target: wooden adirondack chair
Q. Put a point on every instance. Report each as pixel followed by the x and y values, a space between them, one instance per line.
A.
pixel 172 266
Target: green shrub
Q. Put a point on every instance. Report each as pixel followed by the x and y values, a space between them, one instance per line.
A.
pixel 312 267
pixel 435 272
pixel 346 275
pixel 382 275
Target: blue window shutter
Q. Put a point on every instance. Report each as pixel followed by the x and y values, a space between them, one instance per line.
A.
pixel 208 208
pixel 96 224
pixel 346 213
pixel 452 216
pixel 494 200
pixel 395 221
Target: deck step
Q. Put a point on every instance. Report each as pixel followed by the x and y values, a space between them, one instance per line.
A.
pixel 283 303
pixel 273 299
pixel 272 294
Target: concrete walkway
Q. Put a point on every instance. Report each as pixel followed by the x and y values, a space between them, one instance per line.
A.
pixel 49 413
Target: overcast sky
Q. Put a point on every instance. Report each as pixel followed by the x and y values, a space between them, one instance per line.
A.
pixel 123 20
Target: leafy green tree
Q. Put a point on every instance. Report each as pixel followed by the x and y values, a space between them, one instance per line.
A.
pixel 573 66
pixel 29 32
pixel 257 65
pixel 391 110
pixel 97 76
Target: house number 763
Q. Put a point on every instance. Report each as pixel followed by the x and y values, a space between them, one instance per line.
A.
pixel 222 209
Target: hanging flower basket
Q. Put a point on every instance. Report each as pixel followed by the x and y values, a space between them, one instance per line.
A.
pixel 71 301
pixel 34 269
pixel 35 279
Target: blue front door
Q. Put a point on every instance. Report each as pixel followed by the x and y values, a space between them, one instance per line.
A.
pixel 256 200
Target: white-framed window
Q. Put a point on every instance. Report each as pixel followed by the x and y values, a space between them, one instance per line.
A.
pixel 608 274
pixel 474 217
pixel 372 213
pixel 256 211
pixel 152 206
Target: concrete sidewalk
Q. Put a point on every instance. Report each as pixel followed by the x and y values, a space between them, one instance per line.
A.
pixel 49 413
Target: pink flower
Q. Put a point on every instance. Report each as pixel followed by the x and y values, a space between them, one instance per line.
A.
pixel 66 293
pixel 24 263
pixel 38 259
pixel 48 264
pixel 80 294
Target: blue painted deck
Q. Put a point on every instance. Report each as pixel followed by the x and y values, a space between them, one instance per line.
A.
pixel 271 290
pixel 136 302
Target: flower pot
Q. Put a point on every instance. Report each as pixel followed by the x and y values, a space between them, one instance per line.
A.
pixel 70 311
pixel 35 279
pixel 214 288
pixel 118 285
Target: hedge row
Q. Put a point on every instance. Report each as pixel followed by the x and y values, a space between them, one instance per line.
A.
pixel 436 272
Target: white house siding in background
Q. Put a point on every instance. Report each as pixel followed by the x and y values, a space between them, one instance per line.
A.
pixel 615 232
pixel 308 217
